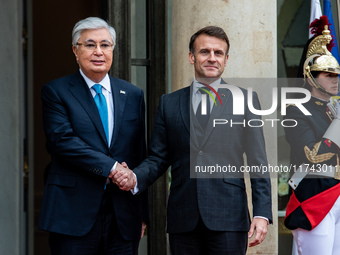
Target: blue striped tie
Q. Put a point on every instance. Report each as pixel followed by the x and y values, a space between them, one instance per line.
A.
pixel 102 108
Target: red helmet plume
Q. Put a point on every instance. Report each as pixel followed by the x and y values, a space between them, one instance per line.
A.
pixel 318 25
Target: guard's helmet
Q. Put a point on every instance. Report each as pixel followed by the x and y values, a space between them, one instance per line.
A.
pixel 319 58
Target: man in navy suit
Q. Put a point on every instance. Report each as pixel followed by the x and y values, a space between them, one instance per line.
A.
pixel 206 215
pixel 82 209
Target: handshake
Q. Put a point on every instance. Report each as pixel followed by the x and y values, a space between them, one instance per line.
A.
pixel 123 177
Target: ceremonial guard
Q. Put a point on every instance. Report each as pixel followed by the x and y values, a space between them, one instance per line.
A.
pixel 313 211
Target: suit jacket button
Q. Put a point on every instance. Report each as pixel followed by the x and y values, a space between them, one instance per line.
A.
pixel 200 153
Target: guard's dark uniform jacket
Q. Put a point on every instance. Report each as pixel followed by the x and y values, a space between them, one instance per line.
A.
pixel 314 197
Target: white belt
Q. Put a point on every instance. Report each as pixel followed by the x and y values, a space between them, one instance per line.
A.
pixel 304 170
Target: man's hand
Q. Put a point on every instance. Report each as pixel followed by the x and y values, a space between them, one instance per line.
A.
pixel 123 177
pixel 143 229
pixel 259 226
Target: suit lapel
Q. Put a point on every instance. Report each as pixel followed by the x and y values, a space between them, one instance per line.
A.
pixel 185 107
pixel 81 92
pixel 187 114
pixel 120 94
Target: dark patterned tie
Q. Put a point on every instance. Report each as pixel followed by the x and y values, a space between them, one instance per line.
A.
pixel 203 119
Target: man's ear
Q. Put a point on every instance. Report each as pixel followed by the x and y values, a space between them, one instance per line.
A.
pixel 191 58
pixel 226 60
pixel 75 51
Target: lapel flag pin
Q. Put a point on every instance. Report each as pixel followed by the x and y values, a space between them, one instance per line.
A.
pixel 223 95
pixel 122 92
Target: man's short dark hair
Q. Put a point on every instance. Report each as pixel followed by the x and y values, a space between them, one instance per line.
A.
pixel 211 31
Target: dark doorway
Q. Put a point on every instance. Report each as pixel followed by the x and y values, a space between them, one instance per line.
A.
pixel 52 23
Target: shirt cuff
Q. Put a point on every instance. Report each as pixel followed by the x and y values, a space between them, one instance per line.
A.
pixel 135 190
pixel 114 166
pixel 261 217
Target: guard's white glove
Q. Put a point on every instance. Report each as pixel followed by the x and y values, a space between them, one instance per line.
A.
pixel 332 133
pixel 334 107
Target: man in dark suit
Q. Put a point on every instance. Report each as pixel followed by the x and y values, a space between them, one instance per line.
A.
pixel 92 121
pixel 207 214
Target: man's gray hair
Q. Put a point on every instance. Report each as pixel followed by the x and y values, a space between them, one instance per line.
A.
pixel 91 23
